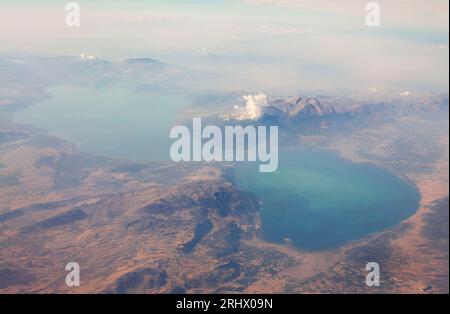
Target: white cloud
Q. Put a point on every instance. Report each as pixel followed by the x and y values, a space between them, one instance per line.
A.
pixel 87 57
pixel 406 93
pixel 253 108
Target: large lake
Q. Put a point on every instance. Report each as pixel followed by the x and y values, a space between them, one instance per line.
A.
pixel 315 199
pixel 109 121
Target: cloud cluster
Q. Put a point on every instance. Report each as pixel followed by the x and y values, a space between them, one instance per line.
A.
pixel 406 93
pixel 253 108
pixel 87 57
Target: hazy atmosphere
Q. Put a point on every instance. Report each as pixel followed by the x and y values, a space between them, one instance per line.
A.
pixel 270 46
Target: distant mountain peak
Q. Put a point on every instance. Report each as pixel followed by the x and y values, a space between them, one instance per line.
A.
pixel 301 107
pixel 141 61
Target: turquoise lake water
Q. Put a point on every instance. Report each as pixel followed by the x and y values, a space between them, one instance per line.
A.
pixel 315 198
pixel 318 200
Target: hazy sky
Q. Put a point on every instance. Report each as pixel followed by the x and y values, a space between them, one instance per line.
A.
pixel 275 45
